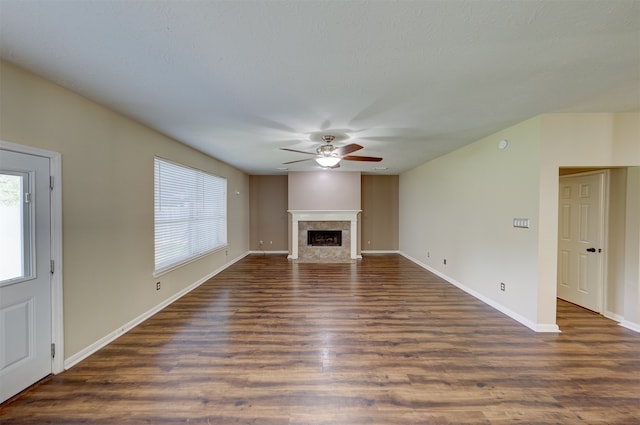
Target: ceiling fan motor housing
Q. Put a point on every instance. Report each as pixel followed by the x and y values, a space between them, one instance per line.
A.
pixel 327 149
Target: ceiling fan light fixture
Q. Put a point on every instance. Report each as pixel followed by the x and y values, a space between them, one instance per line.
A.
pixel 328 161
pixel 329 156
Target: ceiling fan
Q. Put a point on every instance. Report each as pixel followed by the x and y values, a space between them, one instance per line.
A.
pixel 329 156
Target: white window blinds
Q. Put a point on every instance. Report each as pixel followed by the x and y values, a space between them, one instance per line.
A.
pixel 190 214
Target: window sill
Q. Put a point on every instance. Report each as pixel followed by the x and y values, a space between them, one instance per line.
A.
pixel 165 270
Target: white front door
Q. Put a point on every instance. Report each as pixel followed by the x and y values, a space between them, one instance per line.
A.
pixel 25 271
pixel 581 240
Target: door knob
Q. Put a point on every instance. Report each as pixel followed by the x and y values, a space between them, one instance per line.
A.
pixel 591 250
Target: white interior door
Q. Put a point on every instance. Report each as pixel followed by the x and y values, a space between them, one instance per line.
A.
pixel 581 240
pixel 25 273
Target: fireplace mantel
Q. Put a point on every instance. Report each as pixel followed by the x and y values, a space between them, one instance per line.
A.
pixel 324 215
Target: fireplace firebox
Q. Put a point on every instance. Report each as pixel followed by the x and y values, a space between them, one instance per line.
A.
pixel 324 237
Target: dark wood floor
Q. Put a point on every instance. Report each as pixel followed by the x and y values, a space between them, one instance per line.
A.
pixel 377 342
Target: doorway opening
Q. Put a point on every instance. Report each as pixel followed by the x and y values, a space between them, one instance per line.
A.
pixel 582 238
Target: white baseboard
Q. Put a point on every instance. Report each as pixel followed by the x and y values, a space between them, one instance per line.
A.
pixel 613 316
pixel 380 252
pixel 538 327
pixel 630 325
pixel 622 322
pixel 548 328
pixel 102 342
pixel 268 252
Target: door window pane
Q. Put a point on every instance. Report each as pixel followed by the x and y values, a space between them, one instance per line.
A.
pixel 14 227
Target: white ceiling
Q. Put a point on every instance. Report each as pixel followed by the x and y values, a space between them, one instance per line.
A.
pixel 408 80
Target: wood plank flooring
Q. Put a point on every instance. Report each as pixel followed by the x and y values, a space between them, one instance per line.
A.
pixel 381 341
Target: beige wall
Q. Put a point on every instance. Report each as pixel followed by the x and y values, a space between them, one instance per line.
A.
pixel 324 190
pixel 107 170
pixel 269 213
pixel 379 219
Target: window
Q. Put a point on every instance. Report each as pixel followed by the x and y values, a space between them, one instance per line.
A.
pixel 190 214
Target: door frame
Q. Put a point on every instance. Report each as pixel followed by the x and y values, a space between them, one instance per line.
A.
pixel 604 224
pixel 55 213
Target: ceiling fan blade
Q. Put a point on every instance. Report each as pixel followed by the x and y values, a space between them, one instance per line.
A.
pixel 362 158
pixel 347 149
pixel 295 150
pixel 298 160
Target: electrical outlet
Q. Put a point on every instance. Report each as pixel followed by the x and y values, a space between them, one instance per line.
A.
pixel 270 242
pixel 503 286
pixel 445 261
pixel 157 286
pixel 428 254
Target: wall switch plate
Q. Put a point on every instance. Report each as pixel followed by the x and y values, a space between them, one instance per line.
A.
pixel 521 222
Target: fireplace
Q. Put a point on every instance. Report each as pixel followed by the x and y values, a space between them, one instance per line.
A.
pixel 341 245
pixel 324 237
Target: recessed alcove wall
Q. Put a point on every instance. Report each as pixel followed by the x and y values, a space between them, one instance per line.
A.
pixel 271 223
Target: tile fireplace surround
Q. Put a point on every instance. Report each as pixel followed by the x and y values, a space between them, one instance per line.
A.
pixel 303 220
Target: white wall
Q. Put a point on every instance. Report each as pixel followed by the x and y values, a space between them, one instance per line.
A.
pixel 579 140
pixel 615 248
pixel 632 252
pixel 460 207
